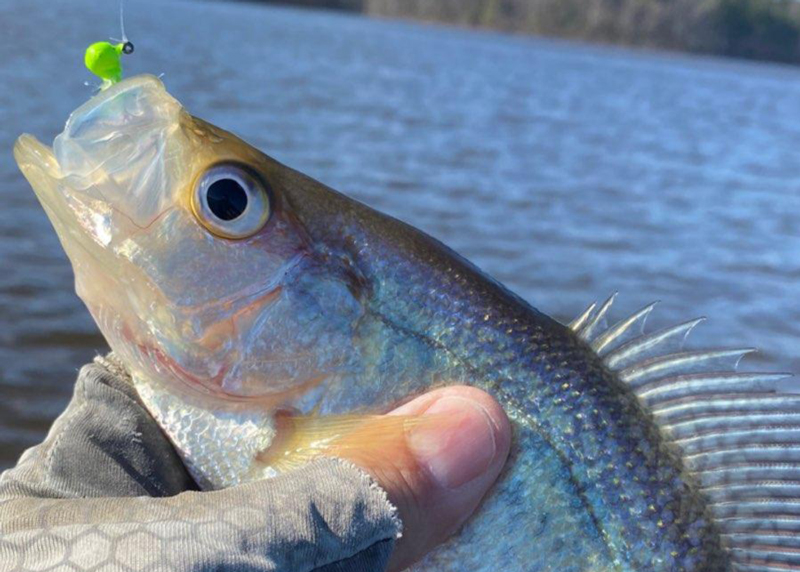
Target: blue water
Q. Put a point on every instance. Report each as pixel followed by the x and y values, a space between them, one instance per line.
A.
pixel 566 171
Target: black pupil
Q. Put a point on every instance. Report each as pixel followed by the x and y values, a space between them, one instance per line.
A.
pixel 226 199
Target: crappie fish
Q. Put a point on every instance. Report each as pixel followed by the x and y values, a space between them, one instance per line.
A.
pixel 233 287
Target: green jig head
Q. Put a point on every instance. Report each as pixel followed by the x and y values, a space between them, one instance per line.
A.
pixel 103 59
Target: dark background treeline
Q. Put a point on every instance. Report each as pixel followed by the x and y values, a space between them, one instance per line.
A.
pixel 759 29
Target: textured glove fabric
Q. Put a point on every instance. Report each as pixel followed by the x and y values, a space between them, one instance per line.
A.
pixel 106 491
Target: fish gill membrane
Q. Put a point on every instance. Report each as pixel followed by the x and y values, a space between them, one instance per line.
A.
pixel 266 319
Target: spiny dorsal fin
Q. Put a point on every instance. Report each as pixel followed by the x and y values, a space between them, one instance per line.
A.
pixel 738 435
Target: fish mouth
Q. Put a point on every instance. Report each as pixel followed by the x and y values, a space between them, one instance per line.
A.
pixel 109 155
pixel 82 225
pixel 93 121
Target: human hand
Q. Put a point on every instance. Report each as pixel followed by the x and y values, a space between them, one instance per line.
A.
pixel 106 487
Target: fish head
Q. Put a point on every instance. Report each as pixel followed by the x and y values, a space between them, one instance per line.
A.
pixel 186 251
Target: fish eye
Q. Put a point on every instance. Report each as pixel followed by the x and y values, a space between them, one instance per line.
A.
pixel 230 201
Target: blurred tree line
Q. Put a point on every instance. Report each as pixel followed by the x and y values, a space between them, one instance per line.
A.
pixel 761 29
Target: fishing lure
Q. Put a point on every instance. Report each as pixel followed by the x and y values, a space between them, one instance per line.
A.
pixel 104 59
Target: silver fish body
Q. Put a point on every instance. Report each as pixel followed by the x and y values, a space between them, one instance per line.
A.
pixel 332 307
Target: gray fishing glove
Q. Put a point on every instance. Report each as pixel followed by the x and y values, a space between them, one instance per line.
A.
pixel 106 490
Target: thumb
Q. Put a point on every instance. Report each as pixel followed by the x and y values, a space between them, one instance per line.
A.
pixel 455 458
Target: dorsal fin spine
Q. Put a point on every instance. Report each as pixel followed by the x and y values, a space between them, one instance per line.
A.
pixel 605 342
pixel 737 434
pixel 639 348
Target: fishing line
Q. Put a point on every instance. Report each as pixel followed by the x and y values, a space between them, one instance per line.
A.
pixel 127 45
pixel 122 20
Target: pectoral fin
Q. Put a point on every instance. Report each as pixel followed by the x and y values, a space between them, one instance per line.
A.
pixel 367 440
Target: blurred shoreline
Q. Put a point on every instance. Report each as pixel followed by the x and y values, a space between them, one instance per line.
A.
pixel 766 30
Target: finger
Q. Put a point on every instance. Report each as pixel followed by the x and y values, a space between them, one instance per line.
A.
pixel 437 474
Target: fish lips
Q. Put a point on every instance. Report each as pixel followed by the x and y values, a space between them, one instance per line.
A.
pixel 107 160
